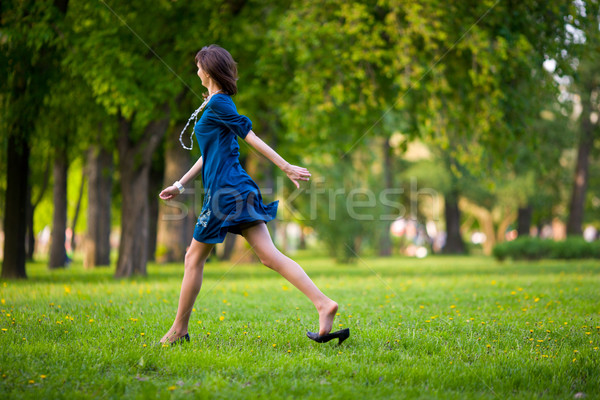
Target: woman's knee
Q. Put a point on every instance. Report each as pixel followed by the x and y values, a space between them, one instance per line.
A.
pixel 193 260
pixel 270 259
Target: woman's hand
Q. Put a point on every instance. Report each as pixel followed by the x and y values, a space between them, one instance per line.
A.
pixel 296 174
pixel 169 193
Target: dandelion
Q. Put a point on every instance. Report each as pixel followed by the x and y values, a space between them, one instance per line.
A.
pixel 31 381
pixel 3 301
pixel 452 306
pixel 199 322
pixel 588 333
pixel 4 329
pixel 421 306
pixel 289 351
pixel 144 345
pixel 536 299
pixel 221 318
pixel 142 333
pixel 171 388
pixel 488 345
pixel 43 376
pixel 274 345
pixel 340 324
pixel 90 321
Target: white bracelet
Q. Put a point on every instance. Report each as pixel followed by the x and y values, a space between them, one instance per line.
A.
pixel 179 187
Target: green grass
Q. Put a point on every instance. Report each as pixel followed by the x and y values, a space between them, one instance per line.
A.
pixel 452 327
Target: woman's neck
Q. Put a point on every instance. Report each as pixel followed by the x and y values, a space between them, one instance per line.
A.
pixel 212 89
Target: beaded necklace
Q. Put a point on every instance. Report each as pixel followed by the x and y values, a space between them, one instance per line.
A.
pixel 194 117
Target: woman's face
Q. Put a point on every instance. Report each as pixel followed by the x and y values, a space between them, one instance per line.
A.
pixel 203 76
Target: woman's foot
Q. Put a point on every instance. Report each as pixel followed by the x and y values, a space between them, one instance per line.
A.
pixel 326 317
pixel 172 335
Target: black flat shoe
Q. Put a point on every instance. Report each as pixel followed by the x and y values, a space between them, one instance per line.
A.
pixel 341 335
pixel 182 339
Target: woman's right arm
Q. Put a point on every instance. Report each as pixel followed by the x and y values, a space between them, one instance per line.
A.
pixel 172 191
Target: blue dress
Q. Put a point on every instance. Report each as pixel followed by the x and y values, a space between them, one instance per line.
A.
pixel 231 198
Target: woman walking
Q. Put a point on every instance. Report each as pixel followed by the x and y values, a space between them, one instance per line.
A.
pixel 233 202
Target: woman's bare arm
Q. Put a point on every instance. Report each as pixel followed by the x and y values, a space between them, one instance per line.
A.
pixel 293 172
pixel 171 191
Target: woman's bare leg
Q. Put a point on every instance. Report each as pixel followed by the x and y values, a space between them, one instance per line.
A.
pixel 195 258
pixel 259 238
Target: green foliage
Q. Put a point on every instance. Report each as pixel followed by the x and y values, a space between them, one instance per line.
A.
pixel 441 327
pixel 530 248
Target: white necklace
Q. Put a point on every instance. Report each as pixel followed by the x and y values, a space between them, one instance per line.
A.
pixel 194 117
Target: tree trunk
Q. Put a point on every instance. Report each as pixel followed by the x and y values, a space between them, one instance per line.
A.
pixel 58 253
pixel 77 209
pixel 524 221
pixel 31 210
pixel 135 158
pixel 509 217
pixel 385 243
pixel 30 235
pixel 154 188
pixel 100 174
pixel 486 223
pixel 15 206
pixel 228 246
pixel 175 218
pixel 454 242
pixel 580 182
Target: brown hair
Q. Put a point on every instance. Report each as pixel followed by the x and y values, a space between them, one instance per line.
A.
pixel 220 66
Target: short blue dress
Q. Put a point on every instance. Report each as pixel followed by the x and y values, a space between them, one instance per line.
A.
pixel 232 200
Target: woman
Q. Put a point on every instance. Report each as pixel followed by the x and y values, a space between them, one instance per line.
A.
pixel 233 202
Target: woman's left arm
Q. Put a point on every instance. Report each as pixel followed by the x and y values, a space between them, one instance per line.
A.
pixel 293 172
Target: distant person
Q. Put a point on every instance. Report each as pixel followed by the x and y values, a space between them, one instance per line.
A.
pixel 233 202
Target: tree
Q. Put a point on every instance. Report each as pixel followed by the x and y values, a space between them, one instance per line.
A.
pixel 586 83
pixel 100 171
pixel 31 37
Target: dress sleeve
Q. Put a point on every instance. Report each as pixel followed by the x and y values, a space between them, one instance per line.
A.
pixel 223 112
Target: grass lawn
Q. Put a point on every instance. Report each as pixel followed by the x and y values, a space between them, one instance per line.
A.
pixel 441 327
